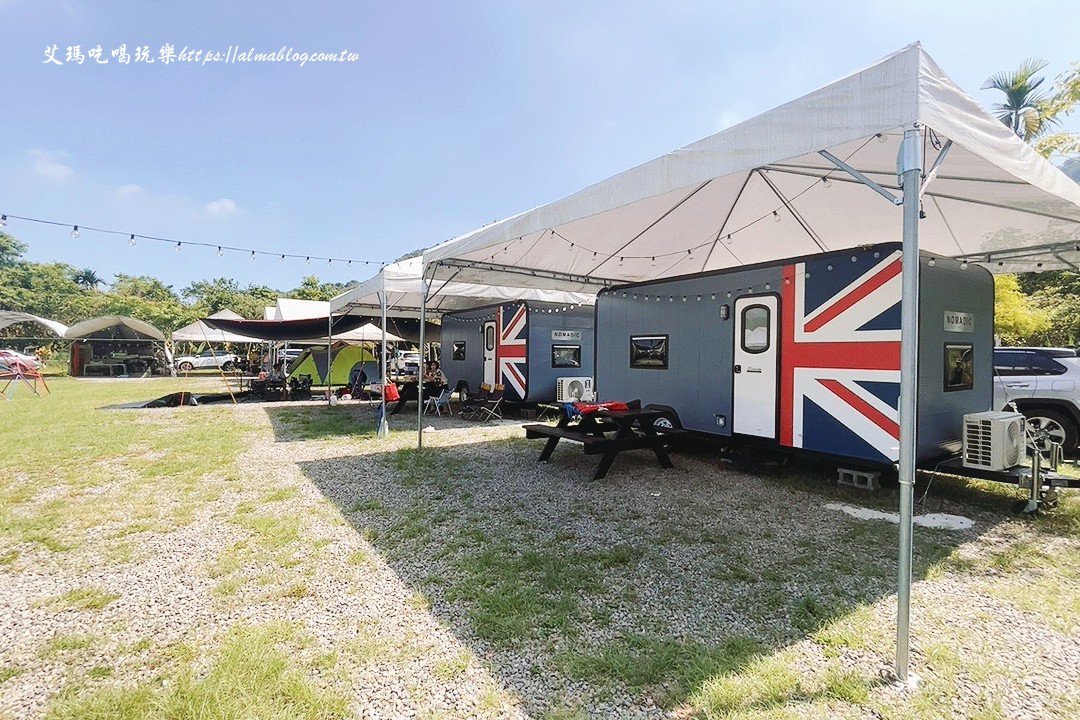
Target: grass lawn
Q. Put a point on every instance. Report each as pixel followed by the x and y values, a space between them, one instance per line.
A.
pixel 280 562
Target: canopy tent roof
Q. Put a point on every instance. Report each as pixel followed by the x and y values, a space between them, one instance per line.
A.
pixel 401 283
pixel 199 331
pixel 10 317
pixel 294 309
pixel 288 330
pixel 113 327
pixel 367 333
pixel 769 188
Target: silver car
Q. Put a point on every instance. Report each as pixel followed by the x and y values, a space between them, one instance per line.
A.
pixel 1043 384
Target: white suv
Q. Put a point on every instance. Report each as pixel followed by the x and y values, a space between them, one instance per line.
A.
pixel 207 359
pixel 1044 384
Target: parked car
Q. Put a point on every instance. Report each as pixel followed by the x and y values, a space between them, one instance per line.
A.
pixel 29 361
pixel 404 362
pixel 1043 384
pixel 207 359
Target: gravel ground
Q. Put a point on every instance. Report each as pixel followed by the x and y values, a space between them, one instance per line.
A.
pixel 396 548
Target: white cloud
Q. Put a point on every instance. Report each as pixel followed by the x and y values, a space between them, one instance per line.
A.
pixel 129 191
pixel 224 206
pixel 47 165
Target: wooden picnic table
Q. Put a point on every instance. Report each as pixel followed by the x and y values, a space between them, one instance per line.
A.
pixel 608 433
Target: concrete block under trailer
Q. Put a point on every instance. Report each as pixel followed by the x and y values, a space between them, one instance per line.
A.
pixel 805 353
pixel 524 346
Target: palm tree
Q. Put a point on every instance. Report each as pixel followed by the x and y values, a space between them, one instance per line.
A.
pixel 87 278
pixel 1022 110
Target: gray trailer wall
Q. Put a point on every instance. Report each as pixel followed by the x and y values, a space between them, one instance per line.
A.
pixel 542 376
pixel 698 380
pixel 467 327
pixel 946 289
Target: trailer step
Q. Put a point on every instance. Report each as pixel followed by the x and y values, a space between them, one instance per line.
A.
pixel 862 479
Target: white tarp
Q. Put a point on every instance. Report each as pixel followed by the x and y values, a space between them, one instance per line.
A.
pixel 757 192
pixel 86 328
pixel 402 284
pixel 10 317
pixel 199 331
pixel 367 333
pixel 294 309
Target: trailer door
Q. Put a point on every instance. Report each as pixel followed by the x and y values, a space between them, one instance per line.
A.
pixel 755 371
pixel 489 353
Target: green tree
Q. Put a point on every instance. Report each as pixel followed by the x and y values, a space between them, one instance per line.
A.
pixel 87 278
pixel 1016 319
pixel 1034 114
pixel 46 290
pixel 210 296
pixel 312 289
pixel 11 250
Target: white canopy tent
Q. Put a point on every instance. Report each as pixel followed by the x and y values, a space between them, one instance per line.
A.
pixel 124 327
pixel 401 287
pixel 199 331
pixel 11 317
pixel 893 151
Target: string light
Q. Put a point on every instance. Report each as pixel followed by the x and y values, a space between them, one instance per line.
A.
pixel 881 138
pixel 775 216
pixel 253 254
pixel 963 264
pixel 132 240
pixel 178 247
pixel 826 181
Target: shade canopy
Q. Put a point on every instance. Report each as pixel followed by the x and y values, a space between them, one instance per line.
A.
pixel 401 284
pixel 10 317
pixel 289 330
pixel 790 183
pixel 199 331
pixel 113 327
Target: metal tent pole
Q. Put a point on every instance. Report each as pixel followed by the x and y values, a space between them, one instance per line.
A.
pixel 382 362
pixel 329 360
pixel 909 165
pixel 420 370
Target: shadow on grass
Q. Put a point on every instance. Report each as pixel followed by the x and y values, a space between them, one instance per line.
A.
pixel 319 422
pixel 660 587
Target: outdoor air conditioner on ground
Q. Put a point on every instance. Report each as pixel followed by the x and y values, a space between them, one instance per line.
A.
pixel 994 440
pixel 572 389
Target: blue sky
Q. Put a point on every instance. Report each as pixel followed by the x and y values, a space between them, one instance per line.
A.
pixel 455 113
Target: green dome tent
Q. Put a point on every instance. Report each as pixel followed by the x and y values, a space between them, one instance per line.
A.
pixel 343 358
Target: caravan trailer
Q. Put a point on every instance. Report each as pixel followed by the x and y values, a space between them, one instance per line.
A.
pixel 525 346
pixel 804 354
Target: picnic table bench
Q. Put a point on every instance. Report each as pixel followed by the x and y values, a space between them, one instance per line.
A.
pixel 608 433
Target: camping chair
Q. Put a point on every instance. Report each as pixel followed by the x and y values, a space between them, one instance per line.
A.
pixel 471 410
pixel 436 404
pixel 492 407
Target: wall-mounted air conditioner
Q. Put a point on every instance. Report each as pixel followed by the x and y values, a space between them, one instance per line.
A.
pixel 573 389
pixel 994 440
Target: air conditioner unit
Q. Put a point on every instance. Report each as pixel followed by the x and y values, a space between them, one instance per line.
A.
pixel 572 389
pixel 994 440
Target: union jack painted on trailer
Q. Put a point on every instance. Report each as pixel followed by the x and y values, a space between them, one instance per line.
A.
pixel 840 363
pixel 511 348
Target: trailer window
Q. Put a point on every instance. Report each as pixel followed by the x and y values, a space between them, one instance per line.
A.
pixel 959 373
pixel 459 350
pixel 649 352
pixel 755 329
pixel 565 356
pixel 489 338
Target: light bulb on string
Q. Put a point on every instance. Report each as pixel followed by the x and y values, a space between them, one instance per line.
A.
pixel 775 216
pixel 253 255
pixel 881 138
pixel 307 261
pixel 826 181
pixel 178 246
pixel 75 232
pixel 282 258
pixel 131 240
pixel 3 220
pixel 220 252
